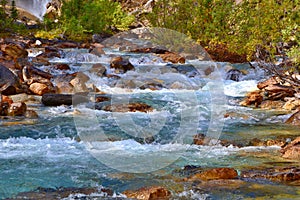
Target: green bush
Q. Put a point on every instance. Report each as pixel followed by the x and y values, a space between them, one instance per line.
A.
pixel 241 28
pixel 93 16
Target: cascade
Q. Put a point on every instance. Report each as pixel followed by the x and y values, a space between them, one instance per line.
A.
pixel 35 7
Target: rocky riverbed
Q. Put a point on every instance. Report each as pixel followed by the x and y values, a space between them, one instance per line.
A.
pixel 50 87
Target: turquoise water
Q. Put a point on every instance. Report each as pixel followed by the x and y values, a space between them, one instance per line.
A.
pixel 64 147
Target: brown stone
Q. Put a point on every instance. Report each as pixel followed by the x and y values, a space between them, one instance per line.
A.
pixel 172 57
pixel 252 98
pixel 31 114
pixel 150 193
pixel 277 92
pixel 292 150
pixel 214 174
pixel 39 88
pixel 122 65
pixel 258 142
pixel 131 107
pixel 278 174
pixel 14 50
pixel 98 51
pixel 269 104
pixel 9 82
pixel 291 104
pixel 17 109
pixel 294 119
pixel 98 69
pixel 271 81
pixel 62 67
pixel 4 106
pixel 66 45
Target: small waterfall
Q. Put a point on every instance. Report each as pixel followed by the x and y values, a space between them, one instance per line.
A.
pixel 35 7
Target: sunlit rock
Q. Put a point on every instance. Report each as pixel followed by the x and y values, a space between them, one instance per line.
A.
pixel 292 150
pixel 150 193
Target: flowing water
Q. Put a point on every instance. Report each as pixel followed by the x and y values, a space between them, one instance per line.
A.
pixel 82 147
pixel 35 7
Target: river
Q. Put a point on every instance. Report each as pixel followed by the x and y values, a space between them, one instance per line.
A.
pixel 81 147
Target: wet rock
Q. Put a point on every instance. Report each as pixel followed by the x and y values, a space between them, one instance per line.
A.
pixel 4 106
pixel 64 45
pixel 258 142
pixel 63 99
pixel 278 174
pixel 79 84
pixel 61 193
pixel 271 81
pixel 17 109
pixel 131 107
pixel 31 114
pixel 291 104
pixel 14 50
pixel 6 99
pixel 32 74
pixel 277 92
pixel 152 86
pixel 292 150
pixel 150 193
pixel 98 69
pixel 9 82
pixel 122 65
pixel 234 75
pixel 294 119
pixel 201 139
pixel 269 104
pixel 150 50
pixel 98 50
pixel 101 98
pixel 40 88
pixel 61 67
pixel 50 52
pixel 230 184
pixel 252 98
pixel 214 174
pixel 99 38
pixel 172 57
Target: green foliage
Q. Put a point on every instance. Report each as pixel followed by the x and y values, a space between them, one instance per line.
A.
pixel 93 16
pixel 240 27
pixel 13 11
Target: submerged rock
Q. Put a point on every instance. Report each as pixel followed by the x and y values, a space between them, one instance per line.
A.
pixel 278 174
pixel 234 75
pixel 150 193
pixel 131 107
pixel 214 174
pixel 292 150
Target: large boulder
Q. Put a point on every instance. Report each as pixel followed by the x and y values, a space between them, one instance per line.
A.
pixel 14 50
pixel 292 150
pixel 9 82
